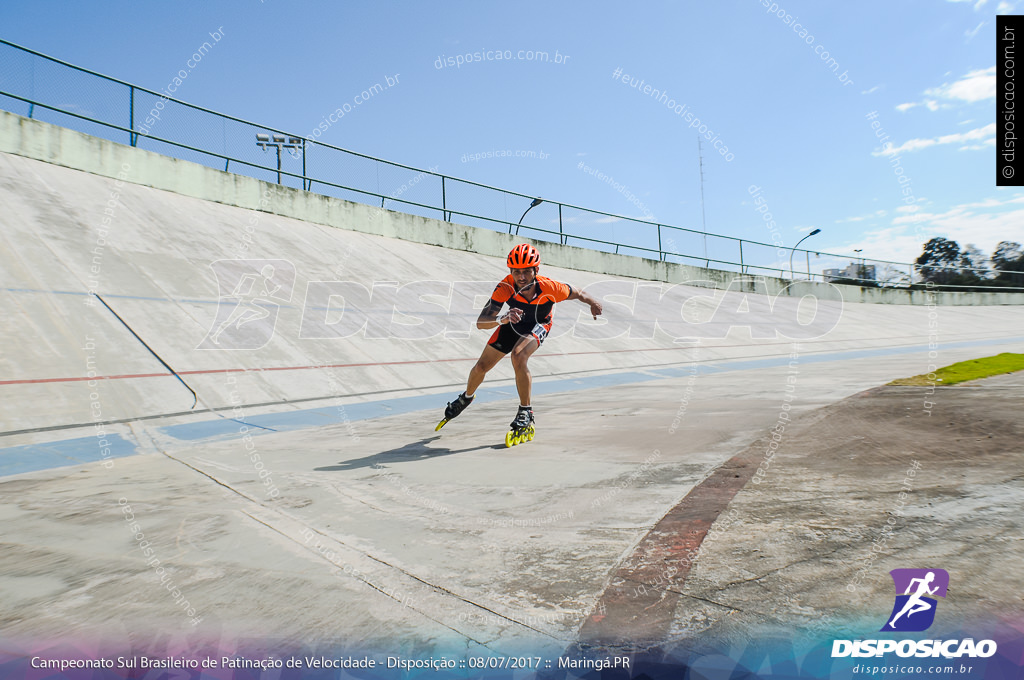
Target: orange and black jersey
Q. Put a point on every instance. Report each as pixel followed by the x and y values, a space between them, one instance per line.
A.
pixel 536 301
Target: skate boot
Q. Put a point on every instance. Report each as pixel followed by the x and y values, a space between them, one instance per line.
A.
pixel 454 408
pixel 522 428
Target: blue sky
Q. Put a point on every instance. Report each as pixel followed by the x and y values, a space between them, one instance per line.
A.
pixel 793 128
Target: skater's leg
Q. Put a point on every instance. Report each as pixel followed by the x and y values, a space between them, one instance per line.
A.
pixel 489 358
pixel 524 349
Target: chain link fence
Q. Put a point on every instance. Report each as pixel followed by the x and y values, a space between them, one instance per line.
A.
pixel 41 87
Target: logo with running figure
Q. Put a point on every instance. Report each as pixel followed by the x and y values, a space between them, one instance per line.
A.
pixel 251 293
pixel 915 605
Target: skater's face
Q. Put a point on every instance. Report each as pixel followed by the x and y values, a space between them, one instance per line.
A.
pixel 523 277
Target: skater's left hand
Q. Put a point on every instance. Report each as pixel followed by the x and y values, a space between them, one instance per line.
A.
pixel 587 299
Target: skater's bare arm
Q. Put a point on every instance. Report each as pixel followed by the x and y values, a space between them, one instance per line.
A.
pixel 587 299
pixel 489 316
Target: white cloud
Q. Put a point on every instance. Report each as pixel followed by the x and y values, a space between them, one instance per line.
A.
pixel 958 138
pixel 930 104
pixel 985 229
pixel 976 86
pixel 861 218
pixel 978 4
pixel 970 34
pixel 870 91
pixel 994 202
pixel 978 147
pixel 607 220
pixel 984 223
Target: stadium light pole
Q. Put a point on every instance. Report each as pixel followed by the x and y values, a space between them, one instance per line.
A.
pixel 278 142
pixel 536 202
pixel 791 275
pixel 860 271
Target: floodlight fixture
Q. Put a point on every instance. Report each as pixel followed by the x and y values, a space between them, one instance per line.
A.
pixel 264 140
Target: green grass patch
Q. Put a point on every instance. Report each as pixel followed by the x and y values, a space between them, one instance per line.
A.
pixel 968 370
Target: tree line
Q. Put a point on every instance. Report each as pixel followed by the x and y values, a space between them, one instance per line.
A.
pixel 944 263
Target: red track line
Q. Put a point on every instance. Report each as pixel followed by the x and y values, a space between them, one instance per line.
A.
pixel 303 368
pixel 373 363
pixel 228 370
pixel 99 377
pixel 390 363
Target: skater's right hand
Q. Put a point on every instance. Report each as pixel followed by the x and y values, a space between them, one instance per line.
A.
pixel 513 315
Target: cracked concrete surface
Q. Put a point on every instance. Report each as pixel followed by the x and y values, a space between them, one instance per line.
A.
pixel 800 542
pixel 452 543
pixel 389 535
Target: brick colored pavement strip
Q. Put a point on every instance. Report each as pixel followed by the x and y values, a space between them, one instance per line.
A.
pixel 806 538
pixel 632 609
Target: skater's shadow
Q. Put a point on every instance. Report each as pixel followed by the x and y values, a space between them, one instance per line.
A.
pixel 403 454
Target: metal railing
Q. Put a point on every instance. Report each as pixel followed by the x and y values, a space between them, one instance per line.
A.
pixel 113 109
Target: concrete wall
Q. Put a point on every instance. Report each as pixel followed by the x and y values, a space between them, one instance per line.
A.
pixel 61 146
pixel 167 263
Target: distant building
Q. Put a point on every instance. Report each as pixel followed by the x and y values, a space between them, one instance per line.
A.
pixel 853 271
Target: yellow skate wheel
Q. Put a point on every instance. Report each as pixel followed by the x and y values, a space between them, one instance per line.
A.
pixel 510 440
pixel 529 436
pixel 441 424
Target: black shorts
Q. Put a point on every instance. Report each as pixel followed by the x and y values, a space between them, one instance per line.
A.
pixel 506 336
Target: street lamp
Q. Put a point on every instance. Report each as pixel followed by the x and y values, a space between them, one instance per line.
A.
pixel 536 202
pixel 791 275
pixel 860 271
pixel 279 142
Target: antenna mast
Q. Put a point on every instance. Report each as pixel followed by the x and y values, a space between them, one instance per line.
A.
pixel 703 221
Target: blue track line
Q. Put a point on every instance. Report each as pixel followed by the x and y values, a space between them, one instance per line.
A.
pixel 20 459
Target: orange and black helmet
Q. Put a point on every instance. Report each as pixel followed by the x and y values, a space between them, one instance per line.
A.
pixel 523 256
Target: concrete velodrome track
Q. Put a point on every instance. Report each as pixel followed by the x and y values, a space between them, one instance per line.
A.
pixel 306 496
